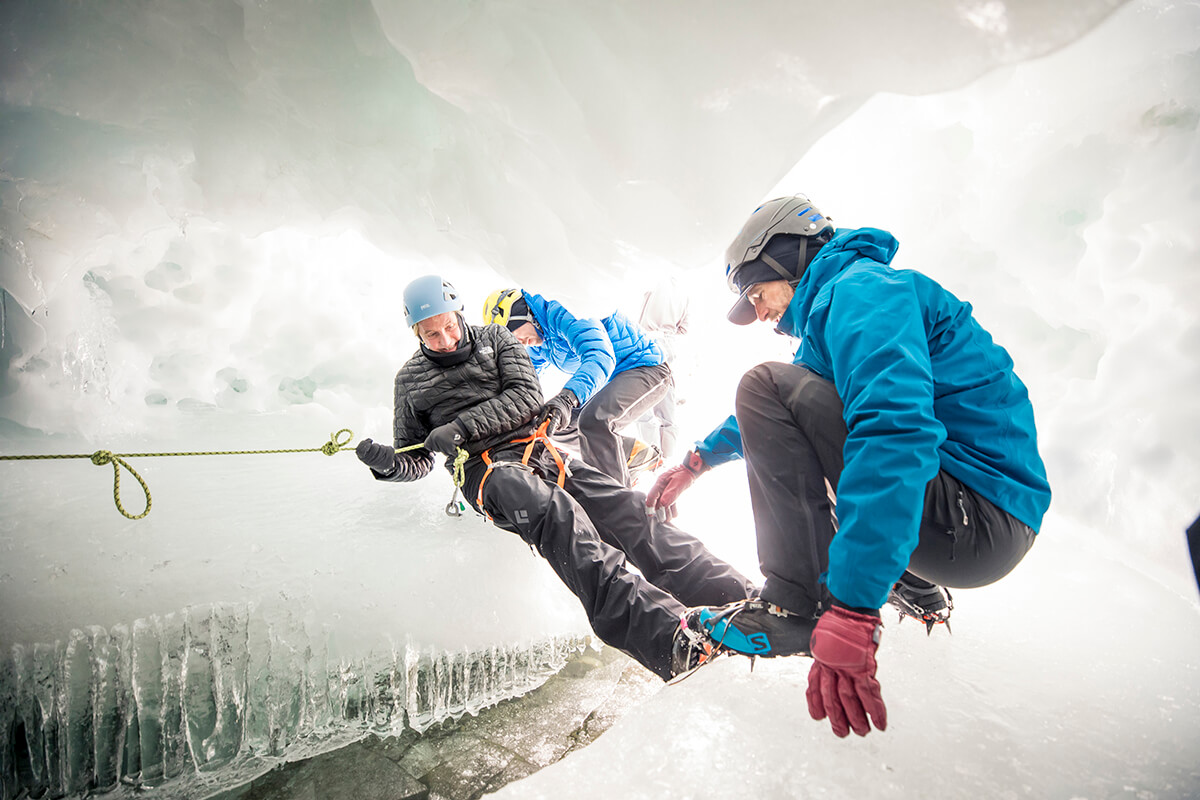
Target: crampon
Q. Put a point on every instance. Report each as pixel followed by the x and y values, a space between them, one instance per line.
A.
pixel 931 606
pixel 694 646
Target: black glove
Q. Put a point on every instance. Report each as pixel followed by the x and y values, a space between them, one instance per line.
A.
pixel 445 438
pixel 378 457
pixel 557 411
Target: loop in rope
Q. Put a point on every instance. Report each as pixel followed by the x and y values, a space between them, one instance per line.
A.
pixel 102 457
pixel 337 442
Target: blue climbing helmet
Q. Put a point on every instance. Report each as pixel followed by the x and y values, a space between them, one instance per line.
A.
pixel 427 297
pixel 774 244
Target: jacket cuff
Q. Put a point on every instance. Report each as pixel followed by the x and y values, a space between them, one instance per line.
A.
pixel 695 464
pixel 873 612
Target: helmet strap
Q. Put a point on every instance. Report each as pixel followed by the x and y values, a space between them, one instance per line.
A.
pixel 784 273
pixel 801 263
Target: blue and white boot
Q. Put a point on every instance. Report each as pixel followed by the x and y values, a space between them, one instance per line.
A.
pixel 753 627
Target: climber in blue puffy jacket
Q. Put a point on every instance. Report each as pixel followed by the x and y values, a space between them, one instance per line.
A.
pixel 895 456
pixel 616 372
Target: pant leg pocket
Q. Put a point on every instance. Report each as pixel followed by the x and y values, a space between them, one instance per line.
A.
pixel 947 511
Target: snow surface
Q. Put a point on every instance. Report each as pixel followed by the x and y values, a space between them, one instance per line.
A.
pixel 208 212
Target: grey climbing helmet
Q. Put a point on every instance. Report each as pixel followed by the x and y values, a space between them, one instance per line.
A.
pixel 758 255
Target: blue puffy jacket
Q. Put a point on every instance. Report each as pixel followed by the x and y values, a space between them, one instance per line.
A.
pixel 590 351
pixel 923 387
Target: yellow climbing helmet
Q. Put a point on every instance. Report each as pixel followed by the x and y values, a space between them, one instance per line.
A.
pixel 506 307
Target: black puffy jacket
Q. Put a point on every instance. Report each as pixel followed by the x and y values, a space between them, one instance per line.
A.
pixel 494 395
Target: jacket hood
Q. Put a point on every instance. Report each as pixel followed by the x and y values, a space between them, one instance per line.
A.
pixel 845 248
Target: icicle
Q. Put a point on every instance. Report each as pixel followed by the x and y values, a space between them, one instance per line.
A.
pixel 196 692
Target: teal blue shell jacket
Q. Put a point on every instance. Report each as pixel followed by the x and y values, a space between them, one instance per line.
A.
pixel 923 388
pixel 590 351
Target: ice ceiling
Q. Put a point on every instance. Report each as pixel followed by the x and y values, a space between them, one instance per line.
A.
pixel 194 195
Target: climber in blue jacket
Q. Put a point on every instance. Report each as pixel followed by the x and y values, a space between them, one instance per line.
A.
pixel 895 456
pixel 616 372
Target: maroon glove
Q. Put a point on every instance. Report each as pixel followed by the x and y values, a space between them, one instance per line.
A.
pixel 668 487
pixel 841 683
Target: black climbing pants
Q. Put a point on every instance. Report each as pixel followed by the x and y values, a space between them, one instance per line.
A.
pixel 590 531
pixel 793 435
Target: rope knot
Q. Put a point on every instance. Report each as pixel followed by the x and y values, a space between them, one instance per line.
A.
pixel 102 457
pixel 337 441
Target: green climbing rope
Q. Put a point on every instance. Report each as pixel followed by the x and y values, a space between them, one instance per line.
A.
pixel 101 457
pixel 453 508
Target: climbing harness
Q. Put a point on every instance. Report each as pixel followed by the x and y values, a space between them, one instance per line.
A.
pixel 538 435
pixel 101 457
pixel 456 507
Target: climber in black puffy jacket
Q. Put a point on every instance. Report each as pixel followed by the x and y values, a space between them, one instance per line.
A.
pixel 474 388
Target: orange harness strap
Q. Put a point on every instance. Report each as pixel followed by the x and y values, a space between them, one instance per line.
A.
pixel 538 435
